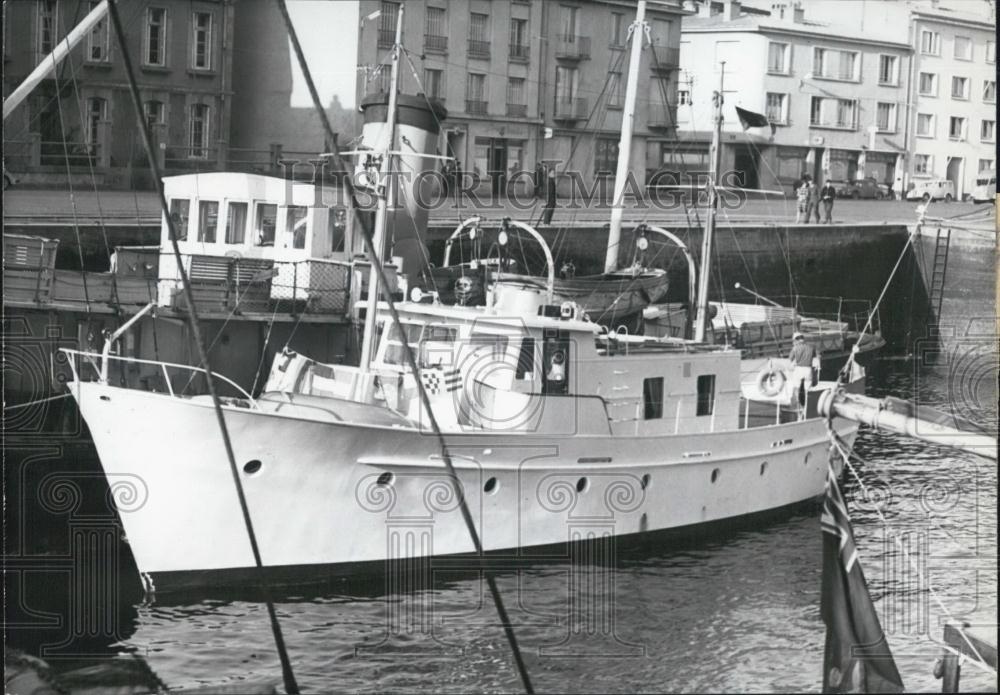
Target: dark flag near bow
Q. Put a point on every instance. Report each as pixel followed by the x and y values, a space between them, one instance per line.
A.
pixel 749 119
pixel 857 658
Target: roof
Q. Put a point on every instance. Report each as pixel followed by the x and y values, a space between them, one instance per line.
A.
pixel 764 24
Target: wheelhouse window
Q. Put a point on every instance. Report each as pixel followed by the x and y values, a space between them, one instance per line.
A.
pixel 394 353
pixel 265 223
pixel 180 209
pixel 98 46
pixel 201 43
pixel 236 223
pixel 156 37
pixel 652 398
pixel 295 226
pixel 199 132
pixel 208 220
pixel 526 359
pixel 706 394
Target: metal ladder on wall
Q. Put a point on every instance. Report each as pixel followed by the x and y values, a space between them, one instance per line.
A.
pixel 935 293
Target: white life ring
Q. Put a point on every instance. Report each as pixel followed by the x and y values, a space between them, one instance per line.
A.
pixel 771 381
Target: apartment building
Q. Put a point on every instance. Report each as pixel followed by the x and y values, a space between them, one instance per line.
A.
pixel 526 82
pixel 82 117
pixel 952 85
pixel 835 98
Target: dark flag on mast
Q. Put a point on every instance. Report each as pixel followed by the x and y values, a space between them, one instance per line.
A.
pixel 749 119
pixel 857 658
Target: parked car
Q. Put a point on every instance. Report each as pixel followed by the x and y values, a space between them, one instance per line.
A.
pixel 867 187
pixel 986 188
pixel 932 189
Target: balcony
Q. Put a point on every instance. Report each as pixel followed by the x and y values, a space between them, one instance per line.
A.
pixel 836 123
pixel 517 110
pixel 575 109
pixel 475 107
pixel 662 117
pixel 479 49
pixel 664 58
pixel 386 38
pixel 435 44
pixel 519 53
pixel 572 47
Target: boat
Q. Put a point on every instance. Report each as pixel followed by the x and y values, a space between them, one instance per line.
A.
pixel 552 424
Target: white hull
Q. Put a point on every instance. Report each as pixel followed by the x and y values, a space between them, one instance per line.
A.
pixel 316 500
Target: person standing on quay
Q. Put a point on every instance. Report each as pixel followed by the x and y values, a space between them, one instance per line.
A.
pixel 827 194
pixel 813 201
pixel 550 197
pixel 802 200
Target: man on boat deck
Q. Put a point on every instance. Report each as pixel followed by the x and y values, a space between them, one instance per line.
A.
pixel 805 363
pixel 550 197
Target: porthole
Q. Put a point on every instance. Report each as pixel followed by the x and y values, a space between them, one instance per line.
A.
pixel 385 479
pixel 491 486
pixel 251 467
pixel 582 484
pixel 715 474
pixel 763 467
pixel 644 483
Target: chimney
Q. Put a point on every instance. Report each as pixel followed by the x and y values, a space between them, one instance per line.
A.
pixel 705 8
pixel 798 14
pixel 731 10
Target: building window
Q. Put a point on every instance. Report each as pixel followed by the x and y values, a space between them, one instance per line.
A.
pixel 208 220
pixel 925 125
pixel 991 52
pixel 777 58
pixel 434 83
pixel 959 87
pixel 963 48
pixel 985 165
pixel 956 128
pixel 295 225
pixel 923 164
pixel 198 142
pixel 652 398
pixel 156 36
pixel 888 70
pixel 97 113
pixel 266 222
pixel 180 209
pixel 479 35
pixel 990 91
pixel 684 97
pixel 475 94
pixel 569 23
pixel 236 223
pixel 516 104
pixel 706 394
pixel 436 30
pixel 387 24
pixel 46 26
pixel 201 43
pixel 987 133
pixel 616 98
pixel 776 108
pixel 617 30
pixel 930 42
pixel 833 113
pixel 885 117
pixel 98 46
pixel 928 84
pixel 153 110
pixel 835 65
pixel 605 156
pixel 519 38
pixel 566 84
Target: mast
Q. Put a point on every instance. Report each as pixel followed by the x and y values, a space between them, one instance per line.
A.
pixel 625 143
pixel 381 213
pixel 704 274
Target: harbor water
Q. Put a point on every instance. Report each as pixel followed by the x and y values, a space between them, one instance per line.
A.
pixel 736 613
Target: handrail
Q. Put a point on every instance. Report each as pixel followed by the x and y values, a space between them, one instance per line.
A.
pixel 474 221
pixel 550 264
pixel 692 272
pixel 163 365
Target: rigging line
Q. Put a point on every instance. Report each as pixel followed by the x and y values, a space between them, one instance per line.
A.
pixel 845 453
pixel 263 350
pixel 72 194
pixel 410 359
pixel 289 679
pixel 18 406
